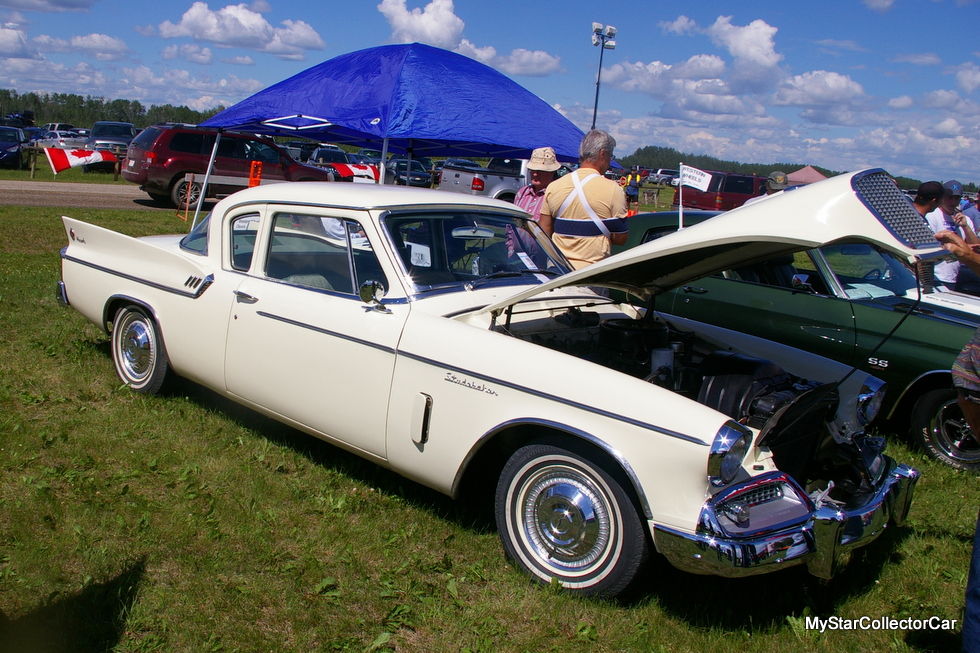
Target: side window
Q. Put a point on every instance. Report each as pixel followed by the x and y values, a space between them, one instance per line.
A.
pixel 259 151
pixel 243 231
pixel 739 185
pixel 228 147
pixel 186 142
pixel 321 252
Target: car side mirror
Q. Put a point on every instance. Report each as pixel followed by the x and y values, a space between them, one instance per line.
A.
pixel 372 292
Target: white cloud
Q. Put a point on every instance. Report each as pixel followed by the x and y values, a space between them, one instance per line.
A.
pixel 818 88
pixel 880 6
pixel 918 59
pixel 13 43
pixel 682 25
pixel 48 6
pixel 438 25
pixel 901 102
pixel 101 46
pixel 239 61
pixel 752 43
pixel 240 26
pixel 968 77
pixel 190 52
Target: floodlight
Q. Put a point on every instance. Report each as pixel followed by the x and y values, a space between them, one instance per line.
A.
pixel 610 31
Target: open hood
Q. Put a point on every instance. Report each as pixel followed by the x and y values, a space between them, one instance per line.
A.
pixel 865 205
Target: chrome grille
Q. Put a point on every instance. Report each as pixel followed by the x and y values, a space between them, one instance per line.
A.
pixel 893 209
pixel 762 494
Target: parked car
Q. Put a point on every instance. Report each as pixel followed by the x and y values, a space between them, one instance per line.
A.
pixel 57 126
pixel 13 140
pixel 33 134
pixel 401 174
pixel 663 176
pixel 443 336
pixel 162 156
pixel 857 302
pixel 112 136
pixel 301 150
pixel 65 140
pixel 325 155
pixel 726 190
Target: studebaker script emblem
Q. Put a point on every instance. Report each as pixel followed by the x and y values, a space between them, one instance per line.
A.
pixel 466 383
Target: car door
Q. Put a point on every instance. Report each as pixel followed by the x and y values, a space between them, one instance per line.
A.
pixel 301 343
pixel 882 293
pixel 776 300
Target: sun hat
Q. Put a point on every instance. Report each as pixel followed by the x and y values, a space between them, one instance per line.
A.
pixel 544 159
pixel 777 180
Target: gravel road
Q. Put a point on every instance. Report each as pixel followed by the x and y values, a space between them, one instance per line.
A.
pixel 55 193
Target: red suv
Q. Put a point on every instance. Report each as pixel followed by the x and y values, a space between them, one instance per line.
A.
pixel 727 190
pixel 161 155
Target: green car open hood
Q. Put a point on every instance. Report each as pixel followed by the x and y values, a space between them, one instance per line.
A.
pixel 866 206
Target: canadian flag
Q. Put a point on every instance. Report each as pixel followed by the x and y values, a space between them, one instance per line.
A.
pixel 63 159
pixel 361 173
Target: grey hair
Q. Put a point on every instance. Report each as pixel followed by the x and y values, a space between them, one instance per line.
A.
pixel 594 141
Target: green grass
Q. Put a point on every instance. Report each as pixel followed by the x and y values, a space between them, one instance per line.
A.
pixel 186 523
pixel 42 172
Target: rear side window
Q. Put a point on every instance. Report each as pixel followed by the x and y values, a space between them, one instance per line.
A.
pixel 187 142
pixel 147 137
pixel 742 185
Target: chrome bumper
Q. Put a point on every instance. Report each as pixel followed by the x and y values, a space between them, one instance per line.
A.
pixel 820 537
pixel 62 294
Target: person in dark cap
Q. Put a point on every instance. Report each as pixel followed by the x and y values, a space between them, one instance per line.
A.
pixel 927 197
pixel 776 182
pixel 949 217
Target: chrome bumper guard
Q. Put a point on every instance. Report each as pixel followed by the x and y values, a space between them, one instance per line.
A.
pixel 819 536
pixel 62 295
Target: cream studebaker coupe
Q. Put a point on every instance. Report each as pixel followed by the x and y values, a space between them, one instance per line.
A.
pixel 442 336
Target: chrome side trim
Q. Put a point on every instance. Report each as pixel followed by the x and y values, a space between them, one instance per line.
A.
pixel 556 398
pixel 326 332
pixel 183 291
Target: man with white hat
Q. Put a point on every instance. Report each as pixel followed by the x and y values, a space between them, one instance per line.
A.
pixel 541 166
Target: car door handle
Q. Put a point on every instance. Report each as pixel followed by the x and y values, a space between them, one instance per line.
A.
pixel 695 290
pixel 244 297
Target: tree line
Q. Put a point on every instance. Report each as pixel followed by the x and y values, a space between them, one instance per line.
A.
pixel 85 111
pixel 654 157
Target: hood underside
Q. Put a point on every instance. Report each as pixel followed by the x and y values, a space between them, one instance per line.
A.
pixel 866 206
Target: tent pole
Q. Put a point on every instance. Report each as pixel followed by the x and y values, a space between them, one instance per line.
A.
pixel 384 161
pixel 207 175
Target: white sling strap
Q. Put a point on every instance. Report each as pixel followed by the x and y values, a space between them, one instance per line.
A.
pixel 580 194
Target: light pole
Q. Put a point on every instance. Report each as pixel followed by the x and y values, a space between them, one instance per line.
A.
pixel 602 35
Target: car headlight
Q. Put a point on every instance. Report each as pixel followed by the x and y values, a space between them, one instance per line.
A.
pixel 869 399
pixel 728 450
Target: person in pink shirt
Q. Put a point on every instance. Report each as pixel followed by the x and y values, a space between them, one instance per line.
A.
pixel 541 166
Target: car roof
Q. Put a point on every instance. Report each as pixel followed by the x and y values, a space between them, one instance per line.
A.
pixel 361 197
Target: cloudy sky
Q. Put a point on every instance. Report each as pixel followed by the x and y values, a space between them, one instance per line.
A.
pixel 843 84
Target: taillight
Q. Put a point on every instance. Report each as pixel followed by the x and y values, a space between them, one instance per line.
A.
pixel 150 157
pixel 478 184
pixel 718 201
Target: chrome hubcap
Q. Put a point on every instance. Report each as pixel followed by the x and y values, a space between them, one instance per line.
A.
pixel 136 349
pixel 566 519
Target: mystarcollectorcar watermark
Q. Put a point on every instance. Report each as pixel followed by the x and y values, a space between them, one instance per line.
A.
pixel 824 624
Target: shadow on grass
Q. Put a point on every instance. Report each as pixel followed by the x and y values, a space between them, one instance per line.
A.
pixel 93 620
pixel 763 602
pixel 328 456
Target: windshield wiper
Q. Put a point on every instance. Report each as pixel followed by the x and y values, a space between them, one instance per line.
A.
pixel 503 274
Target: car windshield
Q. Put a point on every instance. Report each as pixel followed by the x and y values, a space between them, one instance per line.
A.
pixel 122 131
pixel 416 166
pixel 328 155
pixel 449 248
pixel 865 272
pixel 8 136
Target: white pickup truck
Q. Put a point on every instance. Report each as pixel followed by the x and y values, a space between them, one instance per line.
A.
pixel 500 179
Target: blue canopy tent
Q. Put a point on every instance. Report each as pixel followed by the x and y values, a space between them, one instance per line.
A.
pixel 411 99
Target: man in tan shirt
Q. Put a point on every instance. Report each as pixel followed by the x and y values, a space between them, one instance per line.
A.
pixel 583 212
